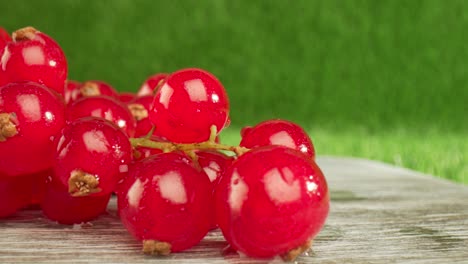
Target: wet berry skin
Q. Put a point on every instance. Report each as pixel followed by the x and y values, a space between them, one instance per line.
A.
pixel 104 107
pixel 30 116
pixel 92 147
pixel 189 102
pixel 126 97
pixel 57 205
pixel 14 194
pixel 140 108
pixel 271 200
pixel 4 39
pixel 150 84
pixel 278 132
pixel 166 199
pixel 71 91
pixel 34 56
pixel 95 88
pixel 214 164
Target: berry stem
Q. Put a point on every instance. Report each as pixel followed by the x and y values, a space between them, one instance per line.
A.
pixel 7 127
pixel 188 147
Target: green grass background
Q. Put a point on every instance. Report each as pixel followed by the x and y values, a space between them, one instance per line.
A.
pixel 384 80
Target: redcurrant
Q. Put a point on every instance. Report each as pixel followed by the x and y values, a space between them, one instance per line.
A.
pixel 188 104
pixel 34 56
pixel 140 108
pixel 14 194
pixel 92 155
pixel 150 84
pixel 278 132
pixel 72 91
pixel 271 201
pixel 58 205
pixel 30 116
pixel 167 203
pixel 103 107
pixel 95 88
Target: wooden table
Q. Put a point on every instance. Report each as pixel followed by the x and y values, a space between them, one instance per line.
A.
pixel 379 214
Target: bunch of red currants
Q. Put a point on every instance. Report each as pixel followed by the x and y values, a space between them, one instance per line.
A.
pixel 68 146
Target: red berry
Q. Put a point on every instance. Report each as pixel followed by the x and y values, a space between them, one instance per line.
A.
pixel 30 116
pixel 150 84
pixel 92 155
pixel 58 205
pixel 126 97
pixel 38 185
pixel 72 91
pixel 270 201
pixel 95 88
pixel 4 39
pixel 140 108
pixel 34 56
pixel 278 132
pixel 14 194
pixel 214 164
pixel 188 104
pixel 167 203
pixel 104 107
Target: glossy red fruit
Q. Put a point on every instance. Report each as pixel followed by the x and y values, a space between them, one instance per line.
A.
pixel 278 132
pixel 167 203
pixel 126 97
pixel 270 201
pixel 140 108
pixel 92 155
pixel 188 104
pixel 30 116
pixel 14 194
pixel 4 39
pixel 57 205
pixel 95 88
pixel 214 164
pixel 104 107
pixel 38 185
pixel 72 91
pixel 34 56
pixel 150 84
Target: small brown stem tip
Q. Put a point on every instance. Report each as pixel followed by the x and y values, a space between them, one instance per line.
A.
pixel 7 127
pixel 81 183
pixel 26 33
pixel 90 89
pixel 292 254
pixel 154 247
pixel 138 111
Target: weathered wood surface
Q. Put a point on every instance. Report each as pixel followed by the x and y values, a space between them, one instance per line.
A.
pixel 379 214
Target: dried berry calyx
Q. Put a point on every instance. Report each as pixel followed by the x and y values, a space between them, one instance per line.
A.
pixel 7 126
pixel 26 33
pixel 82 184
pixel 138 111
pixel 154 247
pixel 294 253
pixel 90 89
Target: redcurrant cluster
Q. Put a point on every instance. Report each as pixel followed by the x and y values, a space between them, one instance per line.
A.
pixel 68 146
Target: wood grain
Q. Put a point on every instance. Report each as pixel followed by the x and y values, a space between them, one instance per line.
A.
pixel 379 214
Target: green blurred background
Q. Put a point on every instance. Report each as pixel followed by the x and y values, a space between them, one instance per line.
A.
pixel 383 80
